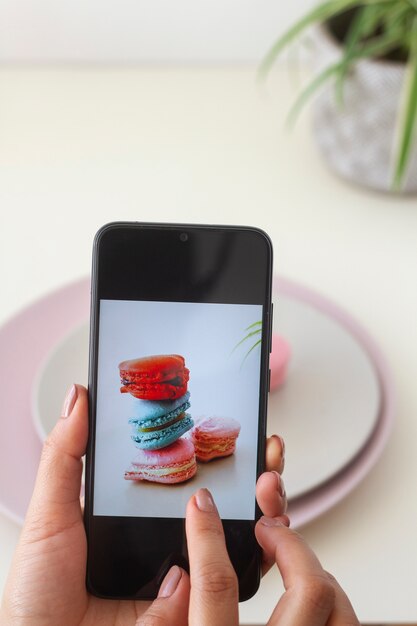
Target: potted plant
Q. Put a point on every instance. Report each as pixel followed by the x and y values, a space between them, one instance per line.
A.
pixel 365 112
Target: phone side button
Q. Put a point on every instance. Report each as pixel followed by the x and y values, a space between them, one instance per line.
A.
pixel 269 381
pixel 271 319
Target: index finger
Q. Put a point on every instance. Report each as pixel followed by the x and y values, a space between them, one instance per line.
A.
pixel 312 597
pixel 214 588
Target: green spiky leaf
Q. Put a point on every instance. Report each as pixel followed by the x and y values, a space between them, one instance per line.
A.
pixel 257 326
pixel 408 115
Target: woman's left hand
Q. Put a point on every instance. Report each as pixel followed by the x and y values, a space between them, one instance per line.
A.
pixel 46 583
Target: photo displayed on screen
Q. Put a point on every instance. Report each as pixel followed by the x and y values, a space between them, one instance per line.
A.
pixel 177 407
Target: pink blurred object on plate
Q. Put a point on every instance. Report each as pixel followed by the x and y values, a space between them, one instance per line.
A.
pixel 278 361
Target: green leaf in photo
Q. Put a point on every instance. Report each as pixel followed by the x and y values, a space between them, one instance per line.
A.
pixel 255 331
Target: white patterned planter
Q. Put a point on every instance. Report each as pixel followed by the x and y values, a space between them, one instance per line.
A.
pixel 357 141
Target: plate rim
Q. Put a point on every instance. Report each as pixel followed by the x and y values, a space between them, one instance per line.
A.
pixel 310 505
pixel 366 426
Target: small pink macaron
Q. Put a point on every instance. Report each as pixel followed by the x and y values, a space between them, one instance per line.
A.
pixel 278 361
pixel 215 437
pixel 175 463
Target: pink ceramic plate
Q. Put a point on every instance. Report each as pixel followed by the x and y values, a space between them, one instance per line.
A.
pixel 30 337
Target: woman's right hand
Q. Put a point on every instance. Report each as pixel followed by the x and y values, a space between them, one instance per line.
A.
pixel 312 596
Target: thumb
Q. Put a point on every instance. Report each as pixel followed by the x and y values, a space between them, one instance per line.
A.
pixel 55 504
pixel 171 606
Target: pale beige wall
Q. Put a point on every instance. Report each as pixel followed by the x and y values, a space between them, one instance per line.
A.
pixel 144 30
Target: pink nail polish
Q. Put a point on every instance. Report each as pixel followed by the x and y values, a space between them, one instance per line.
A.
pixel 204 501
pixel 69 401
pixel 271 522
pixel 170 582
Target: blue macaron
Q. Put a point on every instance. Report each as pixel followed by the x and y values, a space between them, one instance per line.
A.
pixel 157 424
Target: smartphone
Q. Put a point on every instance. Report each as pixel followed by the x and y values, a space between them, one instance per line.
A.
pixel 180 339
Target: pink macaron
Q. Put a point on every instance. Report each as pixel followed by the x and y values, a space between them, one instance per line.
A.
pixel 174 464
pixel 214 437
pixel 278 361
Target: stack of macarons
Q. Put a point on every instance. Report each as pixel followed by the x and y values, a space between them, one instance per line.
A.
pixel 158 384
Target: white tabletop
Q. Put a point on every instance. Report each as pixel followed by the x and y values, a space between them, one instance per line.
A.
pixel 83 146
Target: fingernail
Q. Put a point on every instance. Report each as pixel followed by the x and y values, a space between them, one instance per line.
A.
pixel 170 582
pixel 280 484
pixel 205 500
pixel 282 444
pixel 69 401
pixel 271 521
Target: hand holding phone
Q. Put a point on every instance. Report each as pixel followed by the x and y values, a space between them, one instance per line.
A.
pixel 48 572
pixel 209 597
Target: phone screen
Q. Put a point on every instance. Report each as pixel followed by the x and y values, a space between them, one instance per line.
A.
pixel 177 378
pixel 221 396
